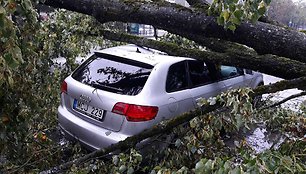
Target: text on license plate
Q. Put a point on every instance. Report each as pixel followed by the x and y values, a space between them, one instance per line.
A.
pixel 91 111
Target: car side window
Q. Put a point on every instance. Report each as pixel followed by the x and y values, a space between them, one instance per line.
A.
pixel 230 72
pixel 177 77
pixel 198 73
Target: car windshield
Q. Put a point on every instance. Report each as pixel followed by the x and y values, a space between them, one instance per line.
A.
pixel 113 74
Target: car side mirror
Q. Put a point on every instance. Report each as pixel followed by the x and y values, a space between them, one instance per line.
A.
pixel 248 71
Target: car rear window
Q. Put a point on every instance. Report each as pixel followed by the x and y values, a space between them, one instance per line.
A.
pixel 113 74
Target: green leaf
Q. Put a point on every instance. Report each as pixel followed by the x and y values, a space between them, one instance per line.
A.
pixel 232 7
pixel 262 10
pixel 200 166
pixel 236 170
pixel 26 4
pixel 271 165
pixel 227 167
pixel 130 170
pixel 208 166
pixel 209 12
pixel 10 81
pixel 10 61
pixel 221 170
pixel 287 162
pixel 220 20
pixel 225 14
pixel 235 20
pixel 299 167
pixel 2 10
pixel 238 14
pixel 17 54
pixel 2 21
pixel 122 168
pixel 254 17
pixel 194 122
pixel 232 27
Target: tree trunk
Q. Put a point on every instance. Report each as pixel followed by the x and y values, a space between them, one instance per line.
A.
pixel 264 38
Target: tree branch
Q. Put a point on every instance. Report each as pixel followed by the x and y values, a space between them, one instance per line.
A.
pixel 268 64
pixel 264 38
pixel 285 100
pixel 298 83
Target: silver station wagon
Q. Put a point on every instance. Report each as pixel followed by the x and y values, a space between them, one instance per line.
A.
pixel 119 92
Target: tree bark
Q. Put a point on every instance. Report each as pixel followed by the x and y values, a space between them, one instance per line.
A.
pixel 263 37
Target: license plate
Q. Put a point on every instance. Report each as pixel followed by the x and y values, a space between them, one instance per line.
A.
pixel 88 110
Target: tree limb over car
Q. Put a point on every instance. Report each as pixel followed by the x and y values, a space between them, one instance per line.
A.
pixel 264 38
pixel 268 64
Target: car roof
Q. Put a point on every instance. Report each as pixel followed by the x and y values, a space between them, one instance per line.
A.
pixel 141 54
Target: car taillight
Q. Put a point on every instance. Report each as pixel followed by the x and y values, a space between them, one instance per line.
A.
pixel 135 112
pixel 64 87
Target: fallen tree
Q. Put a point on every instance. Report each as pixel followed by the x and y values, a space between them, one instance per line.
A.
pixel 264 38
pixel 259 46
pixel 271 49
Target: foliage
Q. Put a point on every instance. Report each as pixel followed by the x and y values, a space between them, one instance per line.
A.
pixel 203 148
pixel 29 92
pixel 29 89
pixel 241 109
pixel 231 13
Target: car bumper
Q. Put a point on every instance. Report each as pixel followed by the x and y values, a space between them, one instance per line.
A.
pixel 90 135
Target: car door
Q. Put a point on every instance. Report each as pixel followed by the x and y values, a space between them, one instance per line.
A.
pixel 202 82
